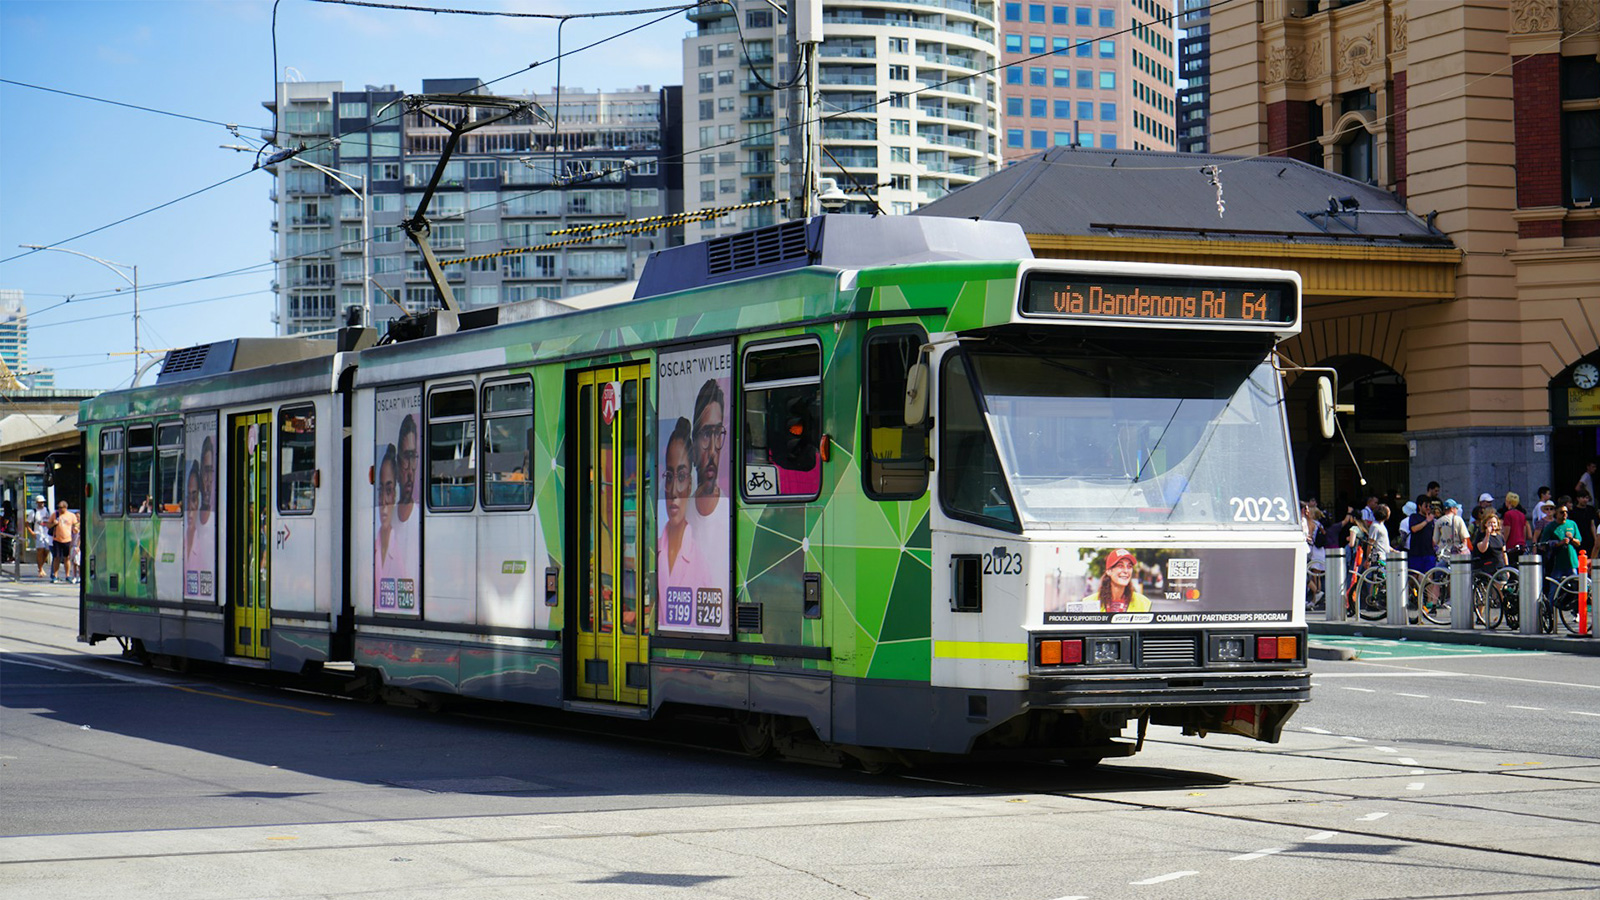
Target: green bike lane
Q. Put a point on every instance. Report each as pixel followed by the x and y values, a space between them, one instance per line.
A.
pixel 1367 640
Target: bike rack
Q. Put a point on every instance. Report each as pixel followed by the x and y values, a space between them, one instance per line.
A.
pixel 1530 577
pixel 1334 581
pixel 1397 576
pixel 1460 591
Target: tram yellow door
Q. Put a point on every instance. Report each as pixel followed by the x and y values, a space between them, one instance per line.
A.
pixel 249 531
pixel 613 607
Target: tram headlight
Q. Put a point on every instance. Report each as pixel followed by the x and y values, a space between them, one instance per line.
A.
pixel 1229 649
pixel 1104 651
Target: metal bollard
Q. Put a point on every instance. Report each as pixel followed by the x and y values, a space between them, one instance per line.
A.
pixel 1460 591
pixel 1394 572
pixel 1333 585
pixel 1531 585
pixel 1594 600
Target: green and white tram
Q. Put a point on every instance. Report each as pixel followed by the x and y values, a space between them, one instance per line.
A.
pixel 891 482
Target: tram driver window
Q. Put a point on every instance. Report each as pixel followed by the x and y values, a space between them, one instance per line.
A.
pixel 972 485
pixel 452 449
pixel 507 429
pixel 111 472
pixel 897 455
pixel 782 421
pixel 297 459
pixel 141 460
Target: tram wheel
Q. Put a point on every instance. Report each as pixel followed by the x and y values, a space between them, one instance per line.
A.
pixel 755 735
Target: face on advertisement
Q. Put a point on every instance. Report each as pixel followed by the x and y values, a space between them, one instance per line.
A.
pixel 709 436
pixel 1121 575
pixel 387 472
pixel 208 472
pixel 408 460
pixel 678 476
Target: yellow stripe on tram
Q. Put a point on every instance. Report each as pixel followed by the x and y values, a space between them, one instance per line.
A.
pixel 980 650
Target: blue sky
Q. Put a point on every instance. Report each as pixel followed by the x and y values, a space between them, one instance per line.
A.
pixel 69 166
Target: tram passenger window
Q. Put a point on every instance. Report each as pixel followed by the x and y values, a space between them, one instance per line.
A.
pixel 782 421
pixel 111 472
pixel 897 455
pixel 141 460
pixel 971 483
pixel 297 458
pixel 507 441
pixel 452 449
pixel 169 469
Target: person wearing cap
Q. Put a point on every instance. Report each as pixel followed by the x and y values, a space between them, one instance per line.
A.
pixel 1450 534
pixel 1543 512
pixel 1516 524
pixel 1560 531
pixel 1485 504
pixel 39 524
pixel 1117 592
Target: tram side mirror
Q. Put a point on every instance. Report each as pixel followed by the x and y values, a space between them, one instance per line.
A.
pixel 1326 407
pixel 917 393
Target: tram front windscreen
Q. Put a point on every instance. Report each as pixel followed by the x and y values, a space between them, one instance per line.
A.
pixel 1090 440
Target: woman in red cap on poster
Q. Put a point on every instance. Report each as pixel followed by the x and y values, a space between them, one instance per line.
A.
pixel 1117 593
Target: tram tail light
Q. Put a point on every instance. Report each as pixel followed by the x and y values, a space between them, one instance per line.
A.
pixel 1277 647
pixel 1061 653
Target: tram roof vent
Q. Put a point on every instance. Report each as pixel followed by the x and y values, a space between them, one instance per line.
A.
pixel 837 241
pixel 234 355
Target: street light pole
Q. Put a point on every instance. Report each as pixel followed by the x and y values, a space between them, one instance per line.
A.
pixel 117 268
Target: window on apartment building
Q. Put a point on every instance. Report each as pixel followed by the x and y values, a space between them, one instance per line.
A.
pixel 1084 15
pixel 1083 48
pixel 1108 18
pixel 1038 140
pixel 900 182
pixel 1036 13
pixel 899 126
pixel 1013 12
pixel 1036 75
pixel 1086 139
pixel 1063 109
pixel 707 109
pixel 899 154
pixel 708 82
pixel 1060 46
pixel 1108 142
pixel 1108 49
pixel 708 192
pixel 1035 43
pixel 1013 75
pixel 1085 78
pixel 1058 15
pixel 899 73
pixel 758 18
pixel 724 76
pixel 724 50
pixel 1108 81
pixel 1013 137
pixel 1108 112
pixel 1013 106
pixel 1037 107
pixel 1013 43
pixel 1086 110
pixel 899 45
pixel 1061 78
pixel 706 55
pixel 726 104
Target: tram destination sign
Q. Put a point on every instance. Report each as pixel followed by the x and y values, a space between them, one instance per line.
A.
pixel 1131 298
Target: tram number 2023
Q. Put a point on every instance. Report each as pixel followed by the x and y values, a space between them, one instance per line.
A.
pixel 1259 509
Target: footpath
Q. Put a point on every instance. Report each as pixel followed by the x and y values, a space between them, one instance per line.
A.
pixel 1337 645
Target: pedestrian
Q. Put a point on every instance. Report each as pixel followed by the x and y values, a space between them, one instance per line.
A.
pixel 1542 514
pixel 1563 559
pixel 1584 516
pixel 1489 545
pixel 1433 493
pixel 39 524
pixel 1369 513
pixel 64 535
pixel 1586 480
pixel 1485 504
pixel 1418 531
pixel 1516 524
pixel 1381 547
pixel 1450 535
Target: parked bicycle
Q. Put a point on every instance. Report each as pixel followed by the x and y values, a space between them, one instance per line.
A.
pixel 1559 600
pixel 1369 594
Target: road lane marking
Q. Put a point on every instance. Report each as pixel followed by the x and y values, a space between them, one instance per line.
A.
pixel 1170 876
pixel 298 709
pixel 1532 708
pixel 1324 835
pixel 1416 785
pixel 1246 857
pixel 1371 817
pixel 1418 696
pixel 1317 730
pixel 1386 749
pixel 1579 712
pixel 1407 761
pixel 1349 737
pixel 1408 673
pixel 1473 702
pixel 1362 690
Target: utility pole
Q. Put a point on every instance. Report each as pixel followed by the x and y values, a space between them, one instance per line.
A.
pixel 805 33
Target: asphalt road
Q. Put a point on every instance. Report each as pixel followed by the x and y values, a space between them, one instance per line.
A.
pixel 1432 775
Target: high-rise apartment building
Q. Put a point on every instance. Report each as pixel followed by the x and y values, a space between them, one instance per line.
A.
pixel 13 331
pixel 908 105
pixel 339 204
pixel 1194 71
pixel 1092 73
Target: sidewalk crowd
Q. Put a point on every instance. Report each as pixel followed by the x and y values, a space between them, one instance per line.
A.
pixel 55 538
pixel 1495 531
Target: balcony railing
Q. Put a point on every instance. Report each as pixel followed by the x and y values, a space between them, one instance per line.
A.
pixel 849 131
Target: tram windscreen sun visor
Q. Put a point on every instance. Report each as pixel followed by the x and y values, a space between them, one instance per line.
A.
pixel 1124 298
pixel 1154 439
